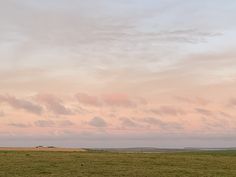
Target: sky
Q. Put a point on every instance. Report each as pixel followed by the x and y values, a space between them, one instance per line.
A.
pixel 118 73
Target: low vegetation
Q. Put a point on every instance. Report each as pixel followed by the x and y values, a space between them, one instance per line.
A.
pixel 115 164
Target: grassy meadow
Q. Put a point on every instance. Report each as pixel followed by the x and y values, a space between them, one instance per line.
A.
pixel 99 164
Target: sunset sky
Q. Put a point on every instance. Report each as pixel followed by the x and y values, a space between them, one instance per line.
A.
pixel 118 73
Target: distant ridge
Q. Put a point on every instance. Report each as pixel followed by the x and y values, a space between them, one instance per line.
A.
pixel 152 149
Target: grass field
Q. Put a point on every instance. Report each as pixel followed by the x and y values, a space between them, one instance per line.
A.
pixel 98 164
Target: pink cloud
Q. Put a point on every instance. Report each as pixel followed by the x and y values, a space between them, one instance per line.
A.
pixel 168 110
pixel 204 112
pixel 44 123
pixel 127 122
pixel 232 102
pixel 98 122
pixel 19 125
pixel 21 104
pixel 114 100
pixel 53 104
pixel 2 114
pixel 117 99
pixel 163 124
pixel 51 123
pixel 65 123
pixel 88 100
pixel 193 100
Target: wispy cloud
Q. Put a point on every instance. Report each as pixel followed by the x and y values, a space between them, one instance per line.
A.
pixel 65 123
pixel 127 122
pixel 164 125
pixel 52 123
pixel 232 102
pixel 22 104
pixel 19 125
pixel 122 100
pixel 168 110
pixel 2 114
pixel 53 104
pixel 183 36
pixel 88 99
pixel 215 124
pixel 98 122
pixel 112 100
pixel 193 100
pixel 44 123
pixel 204 112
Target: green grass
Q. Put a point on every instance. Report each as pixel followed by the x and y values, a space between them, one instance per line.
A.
pixel 99 164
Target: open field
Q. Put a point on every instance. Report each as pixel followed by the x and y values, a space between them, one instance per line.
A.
pixel 98 164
